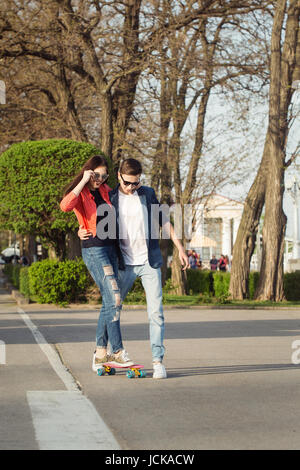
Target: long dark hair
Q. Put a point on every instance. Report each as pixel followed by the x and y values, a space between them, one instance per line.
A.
pixel 91 164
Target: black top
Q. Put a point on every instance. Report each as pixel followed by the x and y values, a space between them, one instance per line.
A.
pixel 95 241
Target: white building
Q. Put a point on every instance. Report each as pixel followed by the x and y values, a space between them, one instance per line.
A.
pixel 291 208
pixel 217 222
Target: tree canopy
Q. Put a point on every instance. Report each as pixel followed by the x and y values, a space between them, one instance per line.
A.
pixel 33 176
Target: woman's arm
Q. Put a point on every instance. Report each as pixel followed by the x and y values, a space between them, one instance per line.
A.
pixel 70 200
pixel 85 179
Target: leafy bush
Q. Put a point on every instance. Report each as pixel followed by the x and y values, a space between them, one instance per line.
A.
pixel 221 284
pixel 33 176
pixel 292 286
pixel 199 282
pixel 52 281
pixel 12 271
pixel 205 298
pixel 61 282
pixel 168 287
pixel 24 282
pixel 253 282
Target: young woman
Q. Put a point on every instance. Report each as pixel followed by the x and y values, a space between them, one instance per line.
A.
pixel 85 195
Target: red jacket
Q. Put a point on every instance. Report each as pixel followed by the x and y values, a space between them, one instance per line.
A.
pixel 84 206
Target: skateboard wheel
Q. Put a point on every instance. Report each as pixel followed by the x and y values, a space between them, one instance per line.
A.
pixel 112 371
pixel 130 374
pixel 100 371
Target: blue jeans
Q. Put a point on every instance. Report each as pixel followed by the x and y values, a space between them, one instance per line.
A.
pixel 151 280
pixel 102 264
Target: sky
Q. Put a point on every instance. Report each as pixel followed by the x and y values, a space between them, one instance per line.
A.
pixel 248 142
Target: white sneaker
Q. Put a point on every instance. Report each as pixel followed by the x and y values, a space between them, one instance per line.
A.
pixel 159 371
pixel 121 360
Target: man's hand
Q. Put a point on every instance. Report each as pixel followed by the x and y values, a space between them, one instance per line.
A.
pixel 184 259
pixel 83 233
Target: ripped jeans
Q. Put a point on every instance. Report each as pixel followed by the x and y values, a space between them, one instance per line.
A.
pixel 102 264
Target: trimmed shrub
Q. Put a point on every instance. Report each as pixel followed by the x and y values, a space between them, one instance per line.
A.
pixel 291 284
pixel 199 282
pixel 51 281
pixel 24 282
pixel 253 282
pixel 26 207
pixel 221 284
pixel 12 271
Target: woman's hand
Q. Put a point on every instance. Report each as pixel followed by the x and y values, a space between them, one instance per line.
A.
pixel 83 233
pixel 87 175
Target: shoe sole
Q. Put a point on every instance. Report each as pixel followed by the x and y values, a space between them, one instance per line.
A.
pixel 95 368
pixel 120 364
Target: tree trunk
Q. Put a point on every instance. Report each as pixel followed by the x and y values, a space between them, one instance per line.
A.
pixel 269 182
pixel 30 248
pixel 106 125
pixel 179 277
pixel 73 246
pixel 246 236
pixel 125 91
pixel 270 285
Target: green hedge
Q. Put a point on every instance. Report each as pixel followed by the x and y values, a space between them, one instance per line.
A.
pixel 12 271
pixel 291 285
pixel 199 282
pixel 221 284
pixel 24 282
pixel 253 281
pixel 51 281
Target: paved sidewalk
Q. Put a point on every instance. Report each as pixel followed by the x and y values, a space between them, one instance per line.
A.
pixel 231 381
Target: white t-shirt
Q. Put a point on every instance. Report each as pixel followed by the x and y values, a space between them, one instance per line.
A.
pixel 133 227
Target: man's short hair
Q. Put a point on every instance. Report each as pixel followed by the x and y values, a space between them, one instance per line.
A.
pixel 131 166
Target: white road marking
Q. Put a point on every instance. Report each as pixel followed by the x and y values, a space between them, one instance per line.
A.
pixel 68 421
pixel 50 353
pixel 65 419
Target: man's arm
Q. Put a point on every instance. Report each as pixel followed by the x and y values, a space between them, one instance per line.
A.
pixel 170 229
pixel 182 254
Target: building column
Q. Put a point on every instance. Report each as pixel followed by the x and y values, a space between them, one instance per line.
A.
pixel 226 237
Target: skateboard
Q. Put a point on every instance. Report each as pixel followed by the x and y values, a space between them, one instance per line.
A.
pixel 132 372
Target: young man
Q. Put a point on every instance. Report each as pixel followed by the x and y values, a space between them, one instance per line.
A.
pixel 139 252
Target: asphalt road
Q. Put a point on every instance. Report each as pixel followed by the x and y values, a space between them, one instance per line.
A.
pixel 231 381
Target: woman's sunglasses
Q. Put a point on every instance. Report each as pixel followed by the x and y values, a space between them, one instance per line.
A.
pixel 99 176
pixel 127 183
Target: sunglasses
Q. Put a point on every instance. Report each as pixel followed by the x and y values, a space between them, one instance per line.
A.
pixel 127 183
pixel 99 176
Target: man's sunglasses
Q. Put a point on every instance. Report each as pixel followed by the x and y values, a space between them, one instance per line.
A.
pixel 99 176
pixel 127 183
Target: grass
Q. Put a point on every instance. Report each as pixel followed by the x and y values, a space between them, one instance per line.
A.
pixel 205 300
pixel 139 298
pixel 266 303
pixel 193 300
